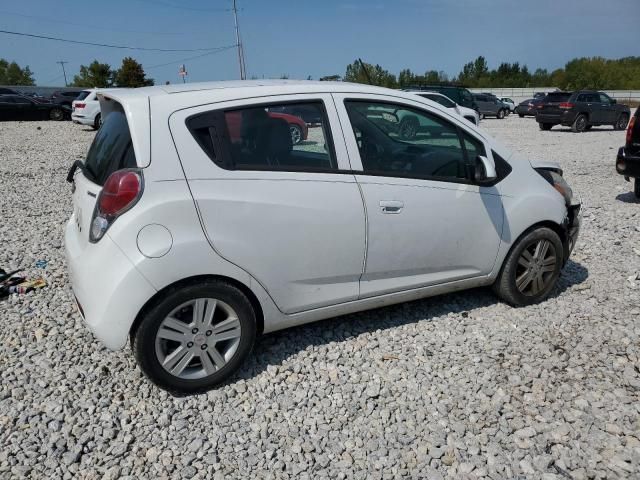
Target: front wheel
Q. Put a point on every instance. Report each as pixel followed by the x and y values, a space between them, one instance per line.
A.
pixel 56 114
pixel 545 126
pixel 409 128
pixel 636 187
pixel 622 122
pixel 521 115
pixel 97 123
pixel 500 114
pixel 296 133
pixel 195 337
pixel 531 269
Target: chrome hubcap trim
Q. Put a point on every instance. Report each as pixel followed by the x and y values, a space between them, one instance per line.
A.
pixel 198 338
pixel 535 269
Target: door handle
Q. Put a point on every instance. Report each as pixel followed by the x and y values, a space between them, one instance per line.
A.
pixel 391 206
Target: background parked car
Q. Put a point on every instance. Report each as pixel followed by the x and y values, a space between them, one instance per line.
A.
pixel 583 110
pixel 528 107
pixel 628 161
pixel 86 109
pixel 509 103
pixel 309 115
pixel 65 97
pixel 8 91
pixel 490 106
pixel 458 94
pixel 467 113
pixel 20 107
pixel 297 127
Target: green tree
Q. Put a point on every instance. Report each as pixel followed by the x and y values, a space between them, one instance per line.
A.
pixel 371 74
pixel 131 74
pixel 12 74
pixel 96 75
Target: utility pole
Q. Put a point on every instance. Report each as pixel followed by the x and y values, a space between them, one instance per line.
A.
pixel 243 73
pixel 62 62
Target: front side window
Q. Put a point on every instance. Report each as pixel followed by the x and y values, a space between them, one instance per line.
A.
pixel 396 140
pixel 267 137
pixel 604 98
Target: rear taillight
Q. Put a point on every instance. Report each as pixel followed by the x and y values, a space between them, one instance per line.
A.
pixel 80 105
pixel 630 129
pixel 566 106
pixel 120 192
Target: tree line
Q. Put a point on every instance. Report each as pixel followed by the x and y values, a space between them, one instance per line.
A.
pixel 580 73
pixel 96 74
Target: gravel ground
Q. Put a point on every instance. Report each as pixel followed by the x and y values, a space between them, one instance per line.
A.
pixel 457 386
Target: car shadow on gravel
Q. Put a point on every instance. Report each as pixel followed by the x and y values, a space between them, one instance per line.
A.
pixel 277 347
pixel 628 197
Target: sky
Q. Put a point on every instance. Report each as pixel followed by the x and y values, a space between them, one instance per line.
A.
pixel 302 38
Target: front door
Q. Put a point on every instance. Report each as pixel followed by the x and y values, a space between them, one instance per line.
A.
pixel 427 223
pixel 275 195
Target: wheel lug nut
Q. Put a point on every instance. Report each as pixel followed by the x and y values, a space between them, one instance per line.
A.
pixel 204 347
pixel 209 332
pixel 190 344
pixel 195 330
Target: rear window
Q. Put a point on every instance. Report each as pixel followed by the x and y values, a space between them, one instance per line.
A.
pixel 558 97
pixel 111 149
pixel 83 95
pixel 445 102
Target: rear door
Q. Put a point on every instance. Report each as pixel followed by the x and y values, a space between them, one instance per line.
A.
pixel 111 150
pixel 290 215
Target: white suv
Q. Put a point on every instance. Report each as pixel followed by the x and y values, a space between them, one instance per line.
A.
pixel 467 113
pixel 86 109
pixel 198 224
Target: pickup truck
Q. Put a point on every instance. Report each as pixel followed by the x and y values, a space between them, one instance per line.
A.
pixel 581 110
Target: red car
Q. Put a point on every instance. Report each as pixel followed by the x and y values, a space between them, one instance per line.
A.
pixel 297 126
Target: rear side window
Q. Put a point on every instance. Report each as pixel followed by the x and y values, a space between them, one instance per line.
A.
pixel 83 95
pixel 112 148
pixel 267 137
pixel 445 102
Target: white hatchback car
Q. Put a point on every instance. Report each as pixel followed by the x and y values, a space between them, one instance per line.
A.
pixel 198 224
pixel 86 109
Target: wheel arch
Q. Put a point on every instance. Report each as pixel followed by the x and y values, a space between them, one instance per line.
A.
pixel 194 280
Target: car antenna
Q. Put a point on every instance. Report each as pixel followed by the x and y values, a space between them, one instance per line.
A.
pixel 366 72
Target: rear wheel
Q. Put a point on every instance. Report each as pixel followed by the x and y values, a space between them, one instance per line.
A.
pixel 636 187
pixel 97 122
pixel 580 124
pixel 56 114
pixel 521 115
pixel 622 122
pixel 195 337
pixel 545 126
pixel 531 268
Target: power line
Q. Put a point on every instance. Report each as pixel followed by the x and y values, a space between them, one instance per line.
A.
pixel 92 27
pixel 122 47
pixel 219 49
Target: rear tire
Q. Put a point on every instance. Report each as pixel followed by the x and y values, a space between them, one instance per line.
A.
pixel 519 284
pixel 97 122
pixel 545 126
pixel 184 355
pixel 636 187
pixel 56 114
pixel 521 115
pixel 580 124
pixel 622 122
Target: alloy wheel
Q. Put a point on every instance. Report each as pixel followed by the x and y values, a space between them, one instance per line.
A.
pixel 408 130
pixel 296 134
pixel 536 267
pixel 581 123
pixel 622 122
pixel 198 338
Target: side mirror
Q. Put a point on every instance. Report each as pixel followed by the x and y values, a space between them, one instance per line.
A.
pixel 485 170
pixel 613 101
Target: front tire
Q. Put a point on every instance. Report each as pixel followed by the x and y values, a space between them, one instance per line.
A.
pixel 409 128
pixel 580 124
pixel 500 114
pixel 636 187
pixel 531 269
pixel 56 114
pixel 97 123
pixel 622 122
pixel 545 126
pixel 296 134
pixel 521 115
pixel 195 337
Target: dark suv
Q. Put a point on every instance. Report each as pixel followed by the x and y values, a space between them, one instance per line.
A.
pixel 583 110
pixel 65 97
pixel 628 161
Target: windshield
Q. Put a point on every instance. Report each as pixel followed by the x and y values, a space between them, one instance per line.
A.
pixel 112 149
